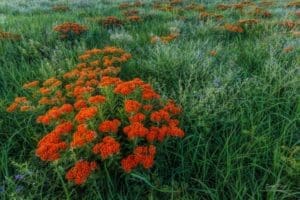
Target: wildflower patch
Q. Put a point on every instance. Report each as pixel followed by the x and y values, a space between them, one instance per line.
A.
pixel 96 119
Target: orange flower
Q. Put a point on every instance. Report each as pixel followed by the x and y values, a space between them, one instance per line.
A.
pixel 45 91
pixel 125 88
pixel 21 100
pixel 85 114
pixel 233 28
pixel 139 117
pixel 176 132
pixel 30 84
pixel 107 147
pixel 107 80
pixel 9 36
pixel 97 99
pixel 163 132
pixel 112 21
pixel 152 134
pixel 213 53
pixel 159 116
pixel 288 49
pixel 145 155
pixel 81 171
pixel 12 107
pixel 148 93
pixel 109 126
pixel 43 119
pixel 25 108
pixel 129 163
pixel 172 108
pixel 80 104
pixel 50 146
pixel 65 127
pixel 66 108
pixel 148 107
pixel 51 151
pixel 82 136
pixel 247 21
pixel 164 39
pixel 69 27
pixel 134 18
pixel 132 106
pixel 135 129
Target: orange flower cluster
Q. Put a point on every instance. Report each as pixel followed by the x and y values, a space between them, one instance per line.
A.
pixel 107 147
pixel 109 126
pixel 20 103
pixel 142 155
pixel 262 13
pixel 247 22
pixel 82 136
pixel 164 39
pixel 288 49
pixel 49 146
pixel 112 21
pixel 130 12
pixel 134 18
pixel 289 24
pixel 213 52
pixel 233 28
pixel 99 117
pixel 68 30
pixel 205 16
pixel 31 84
pixel 195 7
pixel 126 5
pixel 81 171
pixel 9 36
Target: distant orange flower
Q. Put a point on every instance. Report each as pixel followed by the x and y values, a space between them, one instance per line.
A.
pixel 9 36
pixel 69 28
pixel 25 108
pixel 233 28
pixel 134 18
pixel 288 49
pixel 30 84
pixel 288 24
pixel 45 91
pixel 247 21
pixel 112 21
pixel 12 107
pixel 213 52
pixel 164 39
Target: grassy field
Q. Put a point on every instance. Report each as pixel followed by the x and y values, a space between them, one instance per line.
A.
pixel 239 93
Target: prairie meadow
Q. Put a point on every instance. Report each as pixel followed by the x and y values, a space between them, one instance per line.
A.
pixel 172 99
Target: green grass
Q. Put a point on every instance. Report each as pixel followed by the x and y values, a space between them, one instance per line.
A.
pixel 241 108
